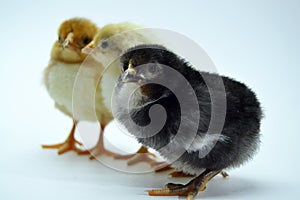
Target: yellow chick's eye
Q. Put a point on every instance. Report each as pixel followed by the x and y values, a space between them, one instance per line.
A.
pixel 104 44
pixel 60 39
pixel 86 40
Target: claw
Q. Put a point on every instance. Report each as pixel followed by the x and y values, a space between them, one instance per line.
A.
pixel 191 196
pixel 68 145
pixel 224 174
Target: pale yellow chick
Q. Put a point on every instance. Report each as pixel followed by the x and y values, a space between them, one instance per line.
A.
pixel 60 76
pixel 106 48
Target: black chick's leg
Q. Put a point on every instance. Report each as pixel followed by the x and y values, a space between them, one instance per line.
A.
pixel 179 174
pixel 190 190
pixel 68 145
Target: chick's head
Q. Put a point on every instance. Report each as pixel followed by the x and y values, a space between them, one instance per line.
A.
pixel 152 67
pixel 111 40
pixel 73 35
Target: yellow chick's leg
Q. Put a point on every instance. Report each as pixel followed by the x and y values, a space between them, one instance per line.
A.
pixel 68 145
pixel 174 174
pixel 142 155
pixel 189 190
pixel 180 174
pixel 99 149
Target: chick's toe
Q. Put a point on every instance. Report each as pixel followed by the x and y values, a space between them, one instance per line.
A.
pixel 142 155
pixel 68 145
pixel 189 190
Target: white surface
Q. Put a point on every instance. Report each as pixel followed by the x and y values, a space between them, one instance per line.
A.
pixel 256 42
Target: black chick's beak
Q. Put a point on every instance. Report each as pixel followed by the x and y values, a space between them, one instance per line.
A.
pixel 130 75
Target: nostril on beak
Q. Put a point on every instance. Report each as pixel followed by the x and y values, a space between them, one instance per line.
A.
pixel 68 40
pixel 65 44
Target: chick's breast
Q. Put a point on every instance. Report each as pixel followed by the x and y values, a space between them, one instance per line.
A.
pixel 59 80
pixel 76 90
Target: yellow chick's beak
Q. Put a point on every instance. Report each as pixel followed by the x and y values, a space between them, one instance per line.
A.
pixel 68 40
pixel 88 48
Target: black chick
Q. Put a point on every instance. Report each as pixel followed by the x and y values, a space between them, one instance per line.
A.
pixel 210 123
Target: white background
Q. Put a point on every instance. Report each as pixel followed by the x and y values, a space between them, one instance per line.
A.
pixel 256 42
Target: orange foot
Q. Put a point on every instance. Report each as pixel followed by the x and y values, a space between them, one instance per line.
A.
pixel 98 150
pixel 142 155
pixel 174 174
pixel 68 145
pixel 189 190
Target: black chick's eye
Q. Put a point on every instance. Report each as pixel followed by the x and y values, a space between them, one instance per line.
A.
pixel 152 69
pixel 86 40
pixel 104 44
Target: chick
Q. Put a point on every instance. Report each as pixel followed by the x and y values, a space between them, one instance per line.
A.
pixel 60 76
pixel 154 78
pixel 106 47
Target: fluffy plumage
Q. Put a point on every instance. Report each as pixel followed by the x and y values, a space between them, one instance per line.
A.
pixel 209 150
pixel 106 48
pixel 102 39
pixel 60 76
pixel 66 58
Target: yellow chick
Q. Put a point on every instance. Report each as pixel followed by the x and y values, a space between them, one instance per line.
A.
pixel 106 47
pixel 60 75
